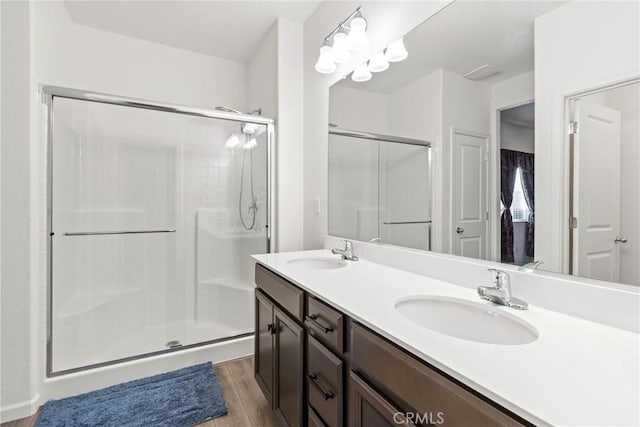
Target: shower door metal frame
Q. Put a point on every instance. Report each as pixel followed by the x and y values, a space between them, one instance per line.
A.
pixel 48 94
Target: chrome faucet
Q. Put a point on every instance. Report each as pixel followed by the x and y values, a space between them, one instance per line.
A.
pixel 529 267
pixel 347 252
pixel 500 293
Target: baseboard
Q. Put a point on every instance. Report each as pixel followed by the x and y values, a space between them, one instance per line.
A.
pixel 19 410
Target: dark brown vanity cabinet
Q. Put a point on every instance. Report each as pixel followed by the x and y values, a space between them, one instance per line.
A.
pixel 320 369
pixel 279 351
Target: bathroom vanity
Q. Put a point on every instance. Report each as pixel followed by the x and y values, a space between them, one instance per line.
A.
pixel 332 348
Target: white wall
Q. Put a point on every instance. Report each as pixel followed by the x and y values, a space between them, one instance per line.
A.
pixel 122 65
pixel 386 21
pixel 516 138
pixel 262 75
pixel 578 46
pixel 15 379
pixel 357 109
pixel 415 110
pixel 290 146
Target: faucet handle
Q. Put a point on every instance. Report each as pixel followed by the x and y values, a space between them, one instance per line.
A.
pixel 498 276
pixel 347 244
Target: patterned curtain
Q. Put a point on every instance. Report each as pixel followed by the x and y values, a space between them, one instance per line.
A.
pixel 508 169
pixel 527 167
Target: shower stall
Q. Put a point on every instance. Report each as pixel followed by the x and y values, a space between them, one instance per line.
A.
pixel 153 211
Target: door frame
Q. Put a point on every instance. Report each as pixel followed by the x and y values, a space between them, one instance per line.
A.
pixel 568 111
pixel 453 130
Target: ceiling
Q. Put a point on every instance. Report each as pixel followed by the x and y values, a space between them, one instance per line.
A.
pixel 226 29
pixel 523 116
pixel 464 36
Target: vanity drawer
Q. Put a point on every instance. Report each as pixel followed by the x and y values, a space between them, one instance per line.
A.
pixel 417 387
pixel 325 383
pixel 281 291
pixel 325 324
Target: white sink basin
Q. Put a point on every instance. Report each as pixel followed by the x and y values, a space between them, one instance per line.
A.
pixel 467 320
pixel 320 263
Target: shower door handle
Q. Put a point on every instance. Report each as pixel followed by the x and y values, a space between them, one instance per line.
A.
pixel 108 233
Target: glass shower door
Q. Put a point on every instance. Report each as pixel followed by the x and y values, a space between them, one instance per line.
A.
pixel 114 245
pixel 154 217
pixel 353 188
pixel 224 215
pixel 405 195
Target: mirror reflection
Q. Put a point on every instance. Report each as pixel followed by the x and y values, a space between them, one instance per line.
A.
pixel 438 152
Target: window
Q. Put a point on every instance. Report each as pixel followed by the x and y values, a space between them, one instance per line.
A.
pixel 519 207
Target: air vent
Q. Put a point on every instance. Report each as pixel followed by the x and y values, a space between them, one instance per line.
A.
pixel 482 72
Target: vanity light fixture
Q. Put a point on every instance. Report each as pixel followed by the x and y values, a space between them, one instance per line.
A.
pixel 396 51
pixel 250 144
pixel 347 38
pixel 233 141
pixel 361 73
pixel 340 48
pixel 358 40
pixel 378 63
pixel 348 42
pixel 326 62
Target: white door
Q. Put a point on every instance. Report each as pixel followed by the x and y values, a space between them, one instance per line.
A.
pixel 469 194
pixel 596 191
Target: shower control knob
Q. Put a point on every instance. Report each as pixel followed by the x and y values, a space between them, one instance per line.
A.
pixel 459 230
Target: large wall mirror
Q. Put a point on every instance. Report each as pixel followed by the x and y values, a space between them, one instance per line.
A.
pixel 438 152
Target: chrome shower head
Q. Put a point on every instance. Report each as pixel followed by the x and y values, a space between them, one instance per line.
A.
pixel 227 109
pixel 257 111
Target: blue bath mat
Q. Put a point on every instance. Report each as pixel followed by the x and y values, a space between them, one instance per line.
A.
pixel 174 399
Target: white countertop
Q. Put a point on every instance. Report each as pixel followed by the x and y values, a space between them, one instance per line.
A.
pixel 577 373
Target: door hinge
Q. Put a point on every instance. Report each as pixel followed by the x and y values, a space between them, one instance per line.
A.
pixel 486 157
pixel 573 222
pixel 573 128
pixel 486 215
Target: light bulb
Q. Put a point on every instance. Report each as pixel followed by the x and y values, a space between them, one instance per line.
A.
pixel 378 63
pixel 326 62
pixel 358 41
pixel 233 141
pixel 340 48
pixel 249 128
pixel 361 73
pixel 250 144
pixel 396 51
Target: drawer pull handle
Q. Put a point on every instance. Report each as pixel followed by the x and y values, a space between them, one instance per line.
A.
pixel 313 318
pixel 327 394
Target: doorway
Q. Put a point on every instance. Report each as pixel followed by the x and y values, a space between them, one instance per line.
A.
pixel 517 193
pixel 604 184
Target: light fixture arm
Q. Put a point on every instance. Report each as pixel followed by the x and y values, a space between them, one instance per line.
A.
pixel 343 24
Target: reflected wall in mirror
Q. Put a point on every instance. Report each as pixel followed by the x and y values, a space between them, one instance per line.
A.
pixel 467 94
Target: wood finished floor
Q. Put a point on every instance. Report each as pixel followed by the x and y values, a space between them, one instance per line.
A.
pixel 245 402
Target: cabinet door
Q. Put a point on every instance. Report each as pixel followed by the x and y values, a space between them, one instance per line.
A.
pixel 264 346
pixel 289 368
pixel 368 408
